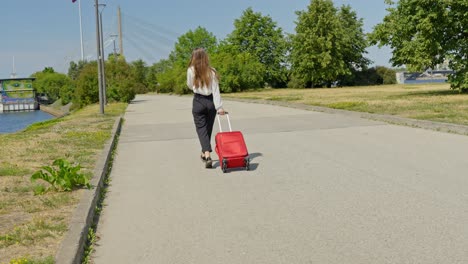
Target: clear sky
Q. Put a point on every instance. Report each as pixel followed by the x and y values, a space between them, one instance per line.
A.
pixel 46 32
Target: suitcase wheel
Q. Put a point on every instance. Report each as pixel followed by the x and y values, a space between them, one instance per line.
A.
pixel 224 166
pixel 247 163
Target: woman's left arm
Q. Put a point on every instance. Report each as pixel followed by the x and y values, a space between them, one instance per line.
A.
pixel 217 95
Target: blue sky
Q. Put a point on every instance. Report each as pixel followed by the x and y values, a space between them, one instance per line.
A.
pixel 46 32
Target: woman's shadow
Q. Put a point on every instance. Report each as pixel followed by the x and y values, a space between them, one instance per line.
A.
pixel 253 166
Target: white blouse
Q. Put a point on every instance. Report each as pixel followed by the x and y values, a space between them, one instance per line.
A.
pixel 212 89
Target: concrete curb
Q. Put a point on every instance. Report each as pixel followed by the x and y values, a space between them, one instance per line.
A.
pixel 72 247
pixel 430 125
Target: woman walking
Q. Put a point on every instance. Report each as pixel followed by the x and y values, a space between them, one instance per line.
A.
pixel 203 80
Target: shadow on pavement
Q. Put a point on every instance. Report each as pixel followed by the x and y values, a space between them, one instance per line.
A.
pixel 138 101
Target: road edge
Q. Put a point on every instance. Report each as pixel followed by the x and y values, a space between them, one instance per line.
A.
pixel 72 247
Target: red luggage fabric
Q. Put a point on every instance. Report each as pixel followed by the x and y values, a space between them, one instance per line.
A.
pixel 231 149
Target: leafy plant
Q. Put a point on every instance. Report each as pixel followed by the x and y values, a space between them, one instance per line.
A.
pixel 63 177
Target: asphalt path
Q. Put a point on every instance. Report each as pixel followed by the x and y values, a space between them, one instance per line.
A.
pixel 323 188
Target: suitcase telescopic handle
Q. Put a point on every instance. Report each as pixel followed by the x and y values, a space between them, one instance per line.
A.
pixel 229 122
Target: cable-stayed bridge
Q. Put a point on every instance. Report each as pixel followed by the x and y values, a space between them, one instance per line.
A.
pixel 141 40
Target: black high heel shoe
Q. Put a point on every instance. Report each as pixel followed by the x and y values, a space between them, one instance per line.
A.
pixel 209 163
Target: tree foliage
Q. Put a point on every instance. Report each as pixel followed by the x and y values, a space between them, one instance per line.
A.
pixel 354 39
pixel 238 71
pixel 369 76
pixel 75 68
pixel 122 83
pixel 55 85
pixel 87 91
pixel 173 78
pixel 198 38
pixel 424 33
pixel 328 44
pixel 260 37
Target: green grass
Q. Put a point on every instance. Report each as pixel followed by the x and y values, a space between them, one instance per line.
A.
pixel 43 124
pixel 348 105
pixel 78 138
pixel 8 169
pixel 30 233
pixel 434 102
pixel 27 260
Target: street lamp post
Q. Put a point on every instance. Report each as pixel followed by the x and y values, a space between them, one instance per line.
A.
pixel 81 31
pixel 103 58
pixel 98 41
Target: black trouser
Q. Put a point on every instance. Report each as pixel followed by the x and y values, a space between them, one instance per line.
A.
pixel 204 114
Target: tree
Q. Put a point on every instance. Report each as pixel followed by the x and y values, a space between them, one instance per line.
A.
pixel 354 41
pixel 260 37
pixel 319 46
pixel 55 85
pixel 424 33
pixel 122 84
pixel 87 91
pixel 140 71
pixel 238 71
pixel 198 38
pixel 173 78
pixel 156 69
pixel 74 69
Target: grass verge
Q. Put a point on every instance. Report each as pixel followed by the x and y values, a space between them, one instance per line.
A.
pixel 434 102
pixel 32 227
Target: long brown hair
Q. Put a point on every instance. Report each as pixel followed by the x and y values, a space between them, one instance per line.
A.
pixel 203 70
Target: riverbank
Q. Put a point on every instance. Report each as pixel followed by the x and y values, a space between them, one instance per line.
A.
pixel 33 226
pixel 53 111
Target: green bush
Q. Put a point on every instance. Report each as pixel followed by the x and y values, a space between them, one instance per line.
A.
pixel 87 83
pixel 238 72
pixel 121 81
pixel 174 79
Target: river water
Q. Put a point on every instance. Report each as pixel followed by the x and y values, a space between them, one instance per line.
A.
pixel 15 121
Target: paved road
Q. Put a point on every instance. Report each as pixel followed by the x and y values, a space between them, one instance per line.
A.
pixel 324 188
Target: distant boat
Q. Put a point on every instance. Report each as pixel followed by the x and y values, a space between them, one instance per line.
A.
pixel 436 76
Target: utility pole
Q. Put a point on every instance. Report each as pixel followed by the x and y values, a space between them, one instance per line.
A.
pixel 81 31
pixel 103 58
pixel 120 32
pixel 98 41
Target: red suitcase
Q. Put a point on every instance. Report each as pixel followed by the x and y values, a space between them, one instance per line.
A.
pixel 231 149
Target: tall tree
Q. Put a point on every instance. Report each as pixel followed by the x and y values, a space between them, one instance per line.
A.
pixel 354 41
pixel 424 33
pixel 198 38
pixel 238 71
pixel 319 46
pixel 260 36
pixel 173 77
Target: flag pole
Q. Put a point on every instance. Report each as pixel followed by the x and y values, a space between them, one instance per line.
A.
pixel 81 31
